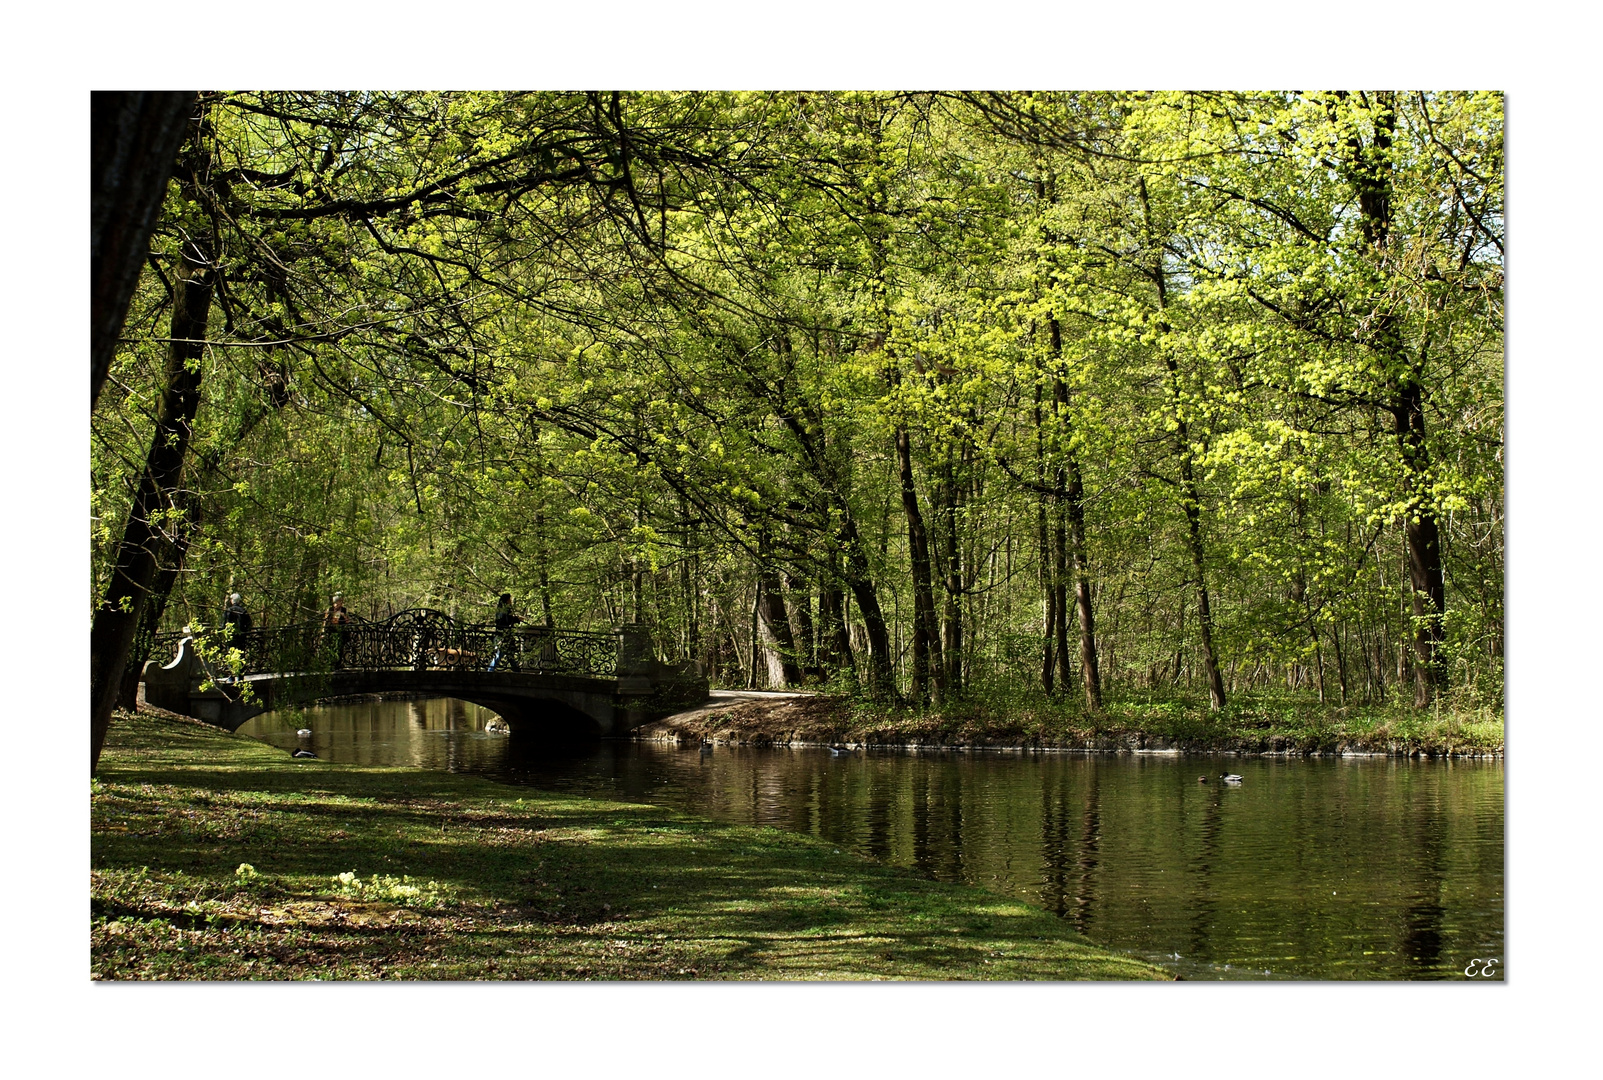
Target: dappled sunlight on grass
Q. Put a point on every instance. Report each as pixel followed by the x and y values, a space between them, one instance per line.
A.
pixel 216 857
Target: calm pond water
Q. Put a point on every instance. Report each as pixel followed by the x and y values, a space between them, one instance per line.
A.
pixel 1359 868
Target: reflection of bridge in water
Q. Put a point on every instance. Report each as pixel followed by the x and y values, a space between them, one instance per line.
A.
pixel 536 677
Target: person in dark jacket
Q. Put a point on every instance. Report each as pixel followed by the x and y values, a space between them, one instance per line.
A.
pixel 505 620
pixel 236 621
pixel 336 625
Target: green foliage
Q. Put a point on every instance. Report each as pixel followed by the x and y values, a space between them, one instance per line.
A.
pixel 396 890
pixel 616 354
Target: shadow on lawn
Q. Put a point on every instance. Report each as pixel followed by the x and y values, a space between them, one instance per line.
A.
pixel 549 886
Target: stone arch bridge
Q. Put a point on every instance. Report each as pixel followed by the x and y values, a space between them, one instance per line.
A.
pixel 555 682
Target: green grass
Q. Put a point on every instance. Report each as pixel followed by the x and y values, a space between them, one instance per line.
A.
pixel 216 857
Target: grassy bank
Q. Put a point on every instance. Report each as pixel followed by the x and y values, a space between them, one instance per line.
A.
pixel 1257 726
pixel 216 857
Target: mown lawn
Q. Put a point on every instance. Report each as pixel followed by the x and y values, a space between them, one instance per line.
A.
pixel 216 857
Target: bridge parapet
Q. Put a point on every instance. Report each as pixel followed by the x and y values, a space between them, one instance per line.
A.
pixel 418 640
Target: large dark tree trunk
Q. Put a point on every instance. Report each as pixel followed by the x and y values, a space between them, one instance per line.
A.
pixel 1372 177
pixel 133 143
pixel 926 638
pixel 1427 588
pixel 151 521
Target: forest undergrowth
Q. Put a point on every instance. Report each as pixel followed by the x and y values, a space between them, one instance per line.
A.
pixel 1264 723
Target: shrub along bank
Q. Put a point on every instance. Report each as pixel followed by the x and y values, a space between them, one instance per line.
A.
pixel 1263 726
pixel 216 857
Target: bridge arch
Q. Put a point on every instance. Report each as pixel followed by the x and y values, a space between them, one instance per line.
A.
pixel 549 717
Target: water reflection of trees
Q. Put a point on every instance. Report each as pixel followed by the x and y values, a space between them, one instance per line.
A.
pixel 1426 835
pixel 1088 859
pixel 1305 869
pixel 1205 851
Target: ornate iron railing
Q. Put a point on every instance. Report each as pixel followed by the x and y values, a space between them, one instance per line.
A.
pixel 420 639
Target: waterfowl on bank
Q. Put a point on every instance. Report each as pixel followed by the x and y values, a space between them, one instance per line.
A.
pixel 1202 779
pixel 1231 778
pixel 303 754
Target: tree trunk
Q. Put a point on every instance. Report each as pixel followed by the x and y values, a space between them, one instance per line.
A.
pixel 952 643
pixel 1188 495
pixel 693 647
pixel 926 638
pixel 756 638
pixel 1341 662
pixel 1043 543
pixel 801 596
pixel 1090 675
pixel 771 605
pixel 1190 500
pixel 1427 592
pixel 1060 539
pixel 133 145
pixel 855 573
pixel 1060 590
pixel 542 550
pixel 1073 488
pixel 118 618
pixel 834 640
pixel 1372 177
pixel 155 604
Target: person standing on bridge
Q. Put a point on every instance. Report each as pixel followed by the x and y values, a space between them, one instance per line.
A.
pixel 335 624
pixel 236 622
pixel 505 620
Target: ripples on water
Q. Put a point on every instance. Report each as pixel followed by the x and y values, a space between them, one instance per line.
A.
pixel 1359 868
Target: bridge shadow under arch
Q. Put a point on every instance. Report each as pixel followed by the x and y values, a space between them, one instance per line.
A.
pixel 546 719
